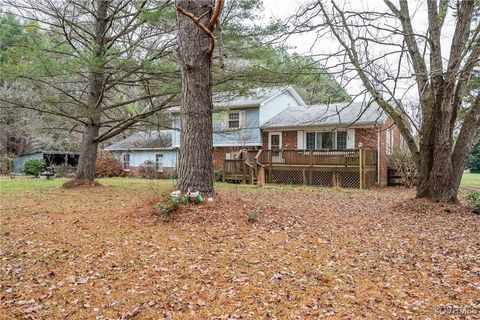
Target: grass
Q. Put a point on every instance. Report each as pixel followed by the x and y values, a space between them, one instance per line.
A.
pixel 470 179
pixel 38 185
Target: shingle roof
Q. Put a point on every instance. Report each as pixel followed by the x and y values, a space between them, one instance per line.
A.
pixel 227 100
pixel 144 140
pixel 328 115
pixel 253 98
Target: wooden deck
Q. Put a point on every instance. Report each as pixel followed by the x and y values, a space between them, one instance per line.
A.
pixel 342 168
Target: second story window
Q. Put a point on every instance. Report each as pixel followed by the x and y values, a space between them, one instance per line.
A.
pixel 233 120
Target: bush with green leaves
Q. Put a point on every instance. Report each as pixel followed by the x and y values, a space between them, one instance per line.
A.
pixel 253 216
pixel 34 167
pixel 218 176
pixel 167 207
pixel 473 200
pixel 473 160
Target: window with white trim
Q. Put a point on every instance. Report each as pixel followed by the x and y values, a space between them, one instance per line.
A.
pixel 234 120
pixel 159 162
pixel 126 161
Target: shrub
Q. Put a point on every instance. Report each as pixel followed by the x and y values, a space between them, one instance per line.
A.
pixel 166 208
pixel 34 167
pixel 473 160
pixel 473 200
pixel 173 175
pixel 218 176
pixel 147 170
pixel 402 161
pixel 108 166
pixel 253 216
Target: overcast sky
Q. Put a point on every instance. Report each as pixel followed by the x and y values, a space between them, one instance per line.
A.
pixel 281 9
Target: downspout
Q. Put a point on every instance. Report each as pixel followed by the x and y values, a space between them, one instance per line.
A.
pixel 378 156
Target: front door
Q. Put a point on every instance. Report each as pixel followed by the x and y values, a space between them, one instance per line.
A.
pixel 275 143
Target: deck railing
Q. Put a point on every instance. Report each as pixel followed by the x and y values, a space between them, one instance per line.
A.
pixel 344 158
pixel 355 162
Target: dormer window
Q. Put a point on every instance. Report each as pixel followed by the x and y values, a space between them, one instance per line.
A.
pixel 234 120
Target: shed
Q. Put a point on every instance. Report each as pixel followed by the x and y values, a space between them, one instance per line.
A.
pixel 51 158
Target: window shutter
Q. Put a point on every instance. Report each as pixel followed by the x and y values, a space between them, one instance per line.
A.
pixel 350 138
pixel 224 118
pixel 242 119
pixel 300 141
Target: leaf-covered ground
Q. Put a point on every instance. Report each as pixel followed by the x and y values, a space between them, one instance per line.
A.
pixel 101 253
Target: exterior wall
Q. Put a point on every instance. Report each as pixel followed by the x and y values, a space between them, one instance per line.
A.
pixel 138 158
pixel 18 164
pixel 369 137
pixel 396 141
pixel 289 139
pixel 254 117
pixel 366 136
pixel 165 174
pixel 376 138
pixel 274 106
pixel 219 154
pixel 250 135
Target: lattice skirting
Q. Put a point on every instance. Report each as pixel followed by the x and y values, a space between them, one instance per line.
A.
pixel 344 179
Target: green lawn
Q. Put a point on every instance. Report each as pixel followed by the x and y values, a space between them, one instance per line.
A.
pixel 470 179
pixel 34 185
pixel 38 185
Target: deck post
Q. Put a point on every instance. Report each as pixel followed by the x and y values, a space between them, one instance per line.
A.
pixel 223 171
pixel 244 170
pixel 361 167
pixel 269 166
pixel 261 177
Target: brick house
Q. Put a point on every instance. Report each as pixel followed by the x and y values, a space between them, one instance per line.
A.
pixel 341 126
pixel 273 118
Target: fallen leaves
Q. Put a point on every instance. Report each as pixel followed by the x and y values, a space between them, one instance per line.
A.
pixel 100 253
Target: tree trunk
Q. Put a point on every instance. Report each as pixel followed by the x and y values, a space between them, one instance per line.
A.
pixel 195 169
pixel 88 154
pixel 88 150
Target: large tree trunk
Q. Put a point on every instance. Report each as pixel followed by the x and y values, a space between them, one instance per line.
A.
pixel 88 154
pixel 195 169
